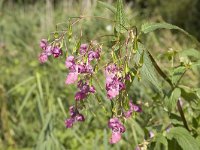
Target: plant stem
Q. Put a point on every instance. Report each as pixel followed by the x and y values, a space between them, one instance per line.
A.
pixel 166 78
pixel 182 114
pixel 163 75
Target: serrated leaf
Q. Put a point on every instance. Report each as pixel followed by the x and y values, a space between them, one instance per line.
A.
pixel 149 27
pixel 183 138
pixel 108 6
pixel 120 17
pixel 148 71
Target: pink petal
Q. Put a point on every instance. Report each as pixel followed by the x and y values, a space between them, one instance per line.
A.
pixel 116 137
pixel 112 93
pixel 71 78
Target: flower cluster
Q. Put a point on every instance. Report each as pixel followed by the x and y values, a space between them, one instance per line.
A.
pixel 74 116
pixel 80 66
pixel 114 81
pixel 133 108
pixel 81 71
pixel 85 89
pixel 48 50
pixel 117 129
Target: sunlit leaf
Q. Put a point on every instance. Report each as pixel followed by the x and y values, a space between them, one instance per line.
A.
pixel 184 138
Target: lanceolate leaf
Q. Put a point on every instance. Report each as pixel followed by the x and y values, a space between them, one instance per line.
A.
pixel 148 71
pixel 183 138
pixel 120 17
pixel 149 27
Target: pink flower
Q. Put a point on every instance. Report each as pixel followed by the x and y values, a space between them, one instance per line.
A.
pixel 72 111
pixel 43 58
pixel 80 96
pixel 93 55
pixel 43 44
pixel 116 137
pixel 92 89
pixel 80 117
pixel 112 93
pixel 56 51
pixel 114 84
pixel 117 129
pixel 70 62
pixel 137 108
pixel 48 50
pixel 71 78
pixel 83 49
pixel 74 117
pixel 85 89
pixel 133 108
pixel 128 113
pixel 69 122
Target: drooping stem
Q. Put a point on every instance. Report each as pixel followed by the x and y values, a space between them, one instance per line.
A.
pixel 162 74
pixel 182 114
pixel 167 79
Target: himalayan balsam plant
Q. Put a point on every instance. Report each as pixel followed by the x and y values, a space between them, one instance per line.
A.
pixel 129 61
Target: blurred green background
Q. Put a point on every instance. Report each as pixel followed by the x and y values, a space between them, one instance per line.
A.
pixel 33 97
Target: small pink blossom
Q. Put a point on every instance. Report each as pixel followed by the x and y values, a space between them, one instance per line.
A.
pixel 80 117
pixel 56 51
pixel 80 96
pixel 69 122
pixel 83 49
pixel 114 83
pixel 71 78
pixel 48 50
pixel 43 44
pixel 116 137
pixel 117 129
pixel 93 55
pixel 43 58
pixel 133 108
pixel 70 62
pixel 74 117
pixel 112 93
pixel 85 89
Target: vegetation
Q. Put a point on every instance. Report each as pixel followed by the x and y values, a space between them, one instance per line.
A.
pixel 34 100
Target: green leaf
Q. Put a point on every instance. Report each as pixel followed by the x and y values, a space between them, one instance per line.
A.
pixel 160 142
pixel 189 95
pixel 171 102
pixel 195 64
pixel 175 119
pixel 148 71
pixel 183 138
pixel 149 27
pixel 177 73
pixel 120 17
pixel 108 6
